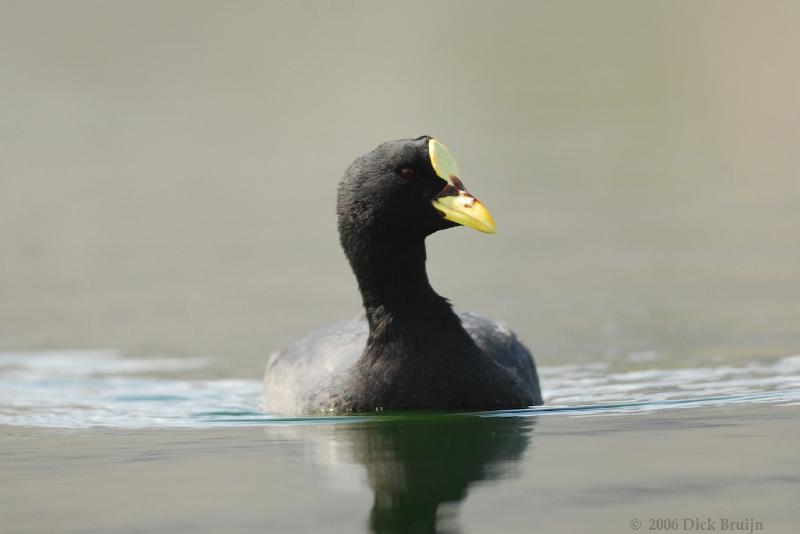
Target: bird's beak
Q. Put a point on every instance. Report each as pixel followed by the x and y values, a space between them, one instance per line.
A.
pixel 454 202
pixel 459 206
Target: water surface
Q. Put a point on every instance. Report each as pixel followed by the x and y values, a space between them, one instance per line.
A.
pixel 96 441
pixel 80 389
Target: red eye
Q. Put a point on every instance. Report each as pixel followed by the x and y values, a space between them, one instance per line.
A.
pixel 407 173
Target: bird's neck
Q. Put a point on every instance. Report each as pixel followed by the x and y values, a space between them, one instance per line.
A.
pixel 407 318
pixel 393 280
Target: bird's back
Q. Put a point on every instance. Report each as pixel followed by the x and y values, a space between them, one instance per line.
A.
pixel 296 374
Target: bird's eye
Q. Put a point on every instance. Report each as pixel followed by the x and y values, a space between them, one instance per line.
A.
pixel 407 173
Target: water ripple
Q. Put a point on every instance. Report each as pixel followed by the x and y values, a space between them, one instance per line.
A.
pixel 74 389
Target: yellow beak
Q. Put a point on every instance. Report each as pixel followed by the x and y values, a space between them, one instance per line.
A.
pixel 463 208
pixel 454 202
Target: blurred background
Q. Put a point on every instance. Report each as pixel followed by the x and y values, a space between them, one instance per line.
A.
pixel 168 170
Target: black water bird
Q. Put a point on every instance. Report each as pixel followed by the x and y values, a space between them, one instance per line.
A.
pixel 411 351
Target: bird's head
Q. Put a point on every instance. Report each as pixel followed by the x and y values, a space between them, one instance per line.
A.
pixel 408 189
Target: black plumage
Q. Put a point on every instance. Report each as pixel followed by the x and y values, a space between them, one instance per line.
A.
pixel 412 351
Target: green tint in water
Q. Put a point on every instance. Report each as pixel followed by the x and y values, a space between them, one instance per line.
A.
pixel 416 465
pixel 685 433
pixel 410 474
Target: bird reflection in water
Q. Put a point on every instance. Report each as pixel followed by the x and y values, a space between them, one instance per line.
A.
pixel 416 465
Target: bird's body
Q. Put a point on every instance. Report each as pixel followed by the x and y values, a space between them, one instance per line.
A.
pixel 412 351
pixel 299 378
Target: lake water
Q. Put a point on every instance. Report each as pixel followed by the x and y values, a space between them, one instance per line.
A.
pixel 98 442
pixel 167 183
